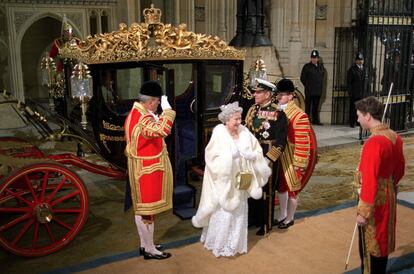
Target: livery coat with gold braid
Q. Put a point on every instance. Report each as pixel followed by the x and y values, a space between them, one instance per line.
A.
pixel 381 167
pixel 298 150
pixel 149 168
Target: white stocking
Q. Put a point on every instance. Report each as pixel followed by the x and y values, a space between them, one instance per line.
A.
pixel 293 204
pixel 283 204
pixel 150 247
pixel 141 230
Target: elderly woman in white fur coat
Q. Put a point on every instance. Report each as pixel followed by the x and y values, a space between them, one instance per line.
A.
pixel 222 212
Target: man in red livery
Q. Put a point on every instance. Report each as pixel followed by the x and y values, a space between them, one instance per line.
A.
pixel 381 167
pixel 295 158
pixel 149 168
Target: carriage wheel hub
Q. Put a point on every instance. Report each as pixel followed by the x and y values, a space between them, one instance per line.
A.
pixel 43 213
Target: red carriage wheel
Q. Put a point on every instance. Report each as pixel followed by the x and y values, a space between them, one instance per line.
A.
pixel 42 208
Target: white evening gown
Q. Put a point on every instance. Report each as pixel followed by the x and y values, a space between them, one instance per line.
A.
pixel 226 234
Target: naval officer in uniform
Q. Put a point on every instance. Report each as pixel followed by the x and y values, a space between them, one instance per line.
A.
pixel 270 126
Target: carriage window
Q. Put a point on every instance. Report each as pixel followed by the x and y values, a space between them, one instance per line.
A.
pixel 220 81
pixel 128 82
pixel 183 77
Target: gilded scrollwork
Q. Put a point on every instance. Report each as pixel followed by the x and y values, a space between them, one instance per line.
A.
pixel 104 138
pixel 133 44
pixel 112 127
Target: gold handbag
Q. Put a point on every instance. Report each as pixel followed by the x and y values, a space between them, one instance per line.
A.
pixel 244 176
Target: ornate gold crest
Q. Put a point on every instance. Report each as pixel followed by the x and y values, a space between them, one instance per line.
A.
pixel 147 41
pixel 152 15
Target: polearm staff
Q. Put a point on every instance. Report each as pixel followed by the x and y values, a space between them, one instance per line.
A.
pixel 388 100
pixel 350 247
pixel 356 224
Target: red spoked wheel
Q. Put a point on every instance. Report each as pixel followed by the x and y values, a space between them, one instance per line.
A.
pixel 42 208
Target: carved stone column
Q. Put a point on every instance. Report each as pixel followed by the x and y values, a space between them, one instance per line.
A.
pixel 250 25
pixel 276 23
pixel 295 43
pixel 295 30
pixel 177 12
pixel 222 30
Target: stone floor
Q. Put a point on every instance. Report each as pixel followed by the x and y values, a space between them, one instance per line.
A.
pixel 110 231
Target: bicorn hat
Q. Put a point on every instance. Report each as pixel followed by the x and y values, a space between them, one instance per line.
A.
pixel 266 85
pixel 314 53
pixel 151 88
pixel 285 85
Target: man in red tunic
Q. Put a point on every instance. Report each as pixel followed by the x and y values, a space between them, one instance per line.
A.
pixel 149 168
pixel 295 158
pixel 380 169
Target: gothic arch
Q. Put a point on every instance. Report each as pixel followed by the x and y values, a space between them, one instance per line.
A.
pixel 35 37
pixel 4 66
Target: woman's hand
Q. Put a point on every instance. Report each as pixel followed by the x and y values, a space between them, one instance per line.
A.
pixel 235 154
pixel 249 155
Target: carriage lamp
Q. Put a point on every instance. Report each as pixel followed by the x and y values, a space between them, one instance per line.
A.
pixel 81 87
pixel 48 72
pixel 257 70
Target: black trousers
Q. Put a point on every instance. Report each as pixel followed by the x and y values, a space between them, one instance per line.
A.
pixel 378 265
pixel 312 108
pixel 261 211
pixel 352 111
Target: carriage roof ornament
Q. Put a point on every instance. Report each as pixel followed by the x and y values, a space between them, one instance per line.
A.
pixel 152 16
pixel 150 40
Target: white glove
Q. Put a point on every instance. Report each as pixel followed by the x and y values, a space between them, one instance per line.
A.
pixel 236 154
pixel 249 155
pixel 164 103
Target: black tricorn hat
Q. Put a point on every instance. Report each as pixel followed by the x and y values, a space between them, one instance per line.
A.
pixel 359 56
pixel 314 53
pixel 285 85
pixel 151 88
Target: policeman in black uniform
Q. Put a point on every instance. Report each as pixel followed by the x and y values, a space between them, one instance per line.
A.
pixel 355 86
pixel 270 126
pixel 312 77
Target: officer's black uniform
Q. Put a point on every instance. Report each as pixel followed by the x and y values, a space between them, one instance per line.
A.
pixel 270 126
pixel 355 86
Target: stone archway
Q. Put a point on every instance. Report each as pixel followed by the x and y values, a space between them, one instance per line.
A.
pixel 4 66
pixel 36 40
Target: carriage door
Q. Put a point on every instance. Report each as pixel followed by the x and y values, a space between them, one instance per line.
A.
pixel 178 83
pixel 218 87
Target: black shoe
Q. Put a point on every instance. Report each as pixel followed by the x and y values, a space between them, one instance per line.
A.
pixel 261 231
pixel 351 126
pixel 277 223
pixel 286 225
pixel 150 256
pixel 318 123
pixel 157 246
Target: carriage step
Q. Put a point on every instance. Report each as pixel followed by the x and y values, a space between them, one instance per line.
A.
pixel 183 197
pixel 185 213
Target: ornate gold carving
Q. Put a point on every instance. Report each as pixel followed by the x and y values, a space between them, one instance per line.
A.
pixel 105 138
pixel 151 40
pixel 112 127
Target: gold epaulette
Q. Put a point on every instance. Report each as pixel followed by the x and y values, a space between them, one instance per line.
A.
pixel 275 106
pixel 274 153
pixel 292 110
pixel 249 117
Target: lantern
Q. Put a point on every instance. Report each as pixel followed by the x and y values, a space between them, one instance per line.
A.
pixel 48 72
pixel 81 88
pixel 257 70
